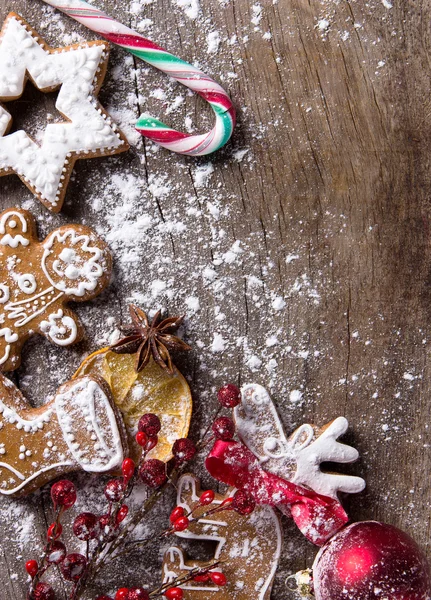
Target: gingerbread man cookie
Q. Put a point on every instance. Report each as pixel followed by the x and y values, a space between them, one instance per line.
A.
pixel 79 429
pixel 248 548
pixel 297 458
pixel 88 131
pixel 38 279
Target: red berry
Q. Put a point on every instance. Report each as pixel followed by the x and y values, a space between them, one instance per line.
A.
pixel 183 450
pixel 73 566
pixel 138 594
pixel 86 526
pixel 201 578
pixel 174 593
pixel 54 531
pixel 43 591
pixel 153 472
pixel 121 514
pixel 181 524
pixel 229 396
pixel 207 498
pixel 176 514
pixel 141 438
pixel 224 428
pixel 128 469
pixel 63 494
pixel 114 490
pixel 32 568
pixel 103 597
pixel 151 443
pixel 56 554
pixel 243 503
pixel 218 578
pixel 226 502
pixel 149 424
pixel 122 594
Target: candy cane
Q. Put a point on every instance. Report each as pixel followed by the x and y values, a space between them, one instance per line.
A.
pixel 188 75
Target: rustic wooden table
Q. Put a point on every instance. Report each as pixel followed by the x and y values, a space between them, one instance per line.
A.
pixel 300 252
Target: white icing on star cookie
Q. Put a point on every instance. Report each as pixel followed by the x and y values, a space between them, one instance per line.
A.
pixel 299 457
pixel 87 132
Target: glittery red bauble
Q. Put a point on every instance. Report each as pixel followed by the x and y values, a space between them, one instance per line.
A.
pixel 183 450
pixel 114 490
pixel 86 526
pixel 224 428
pixel 153 472
pixel 63 493
pixel 149 424
pixel 229 396
pixel 56 553
pixel 371 561
pixel 73 566
pixel 43 591
pixel 243 503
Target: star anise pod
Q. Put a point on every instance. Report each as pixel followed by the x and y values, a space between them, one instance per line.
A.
pixel 148 339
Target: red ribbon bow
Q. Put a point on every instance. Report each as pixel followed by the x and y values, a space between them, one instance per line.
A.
pixel 318 517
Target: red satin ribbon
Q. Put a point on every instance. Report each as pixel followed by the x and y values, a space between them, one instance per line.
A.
pixel 318 517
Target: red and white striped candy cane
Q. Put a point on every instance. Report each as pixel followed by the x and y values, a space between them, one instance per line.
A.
pixel 188 75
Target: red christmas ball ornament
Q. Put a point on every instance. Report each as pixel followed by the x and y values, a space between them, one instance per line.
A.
pixel 73 566
pixel 56 554
pixel 218 578
pixel 43 591
pixel 138 594
pixel 183 450
pixel 229 396
pixel 86 526
pixel 153 472
pixel 128 469
pixel 122 594
pixel 114 490
pixel 224 428
pixel 174 593
pixel 176 514
pixel 207 498
pixel 32 568
pixel 63 494
pixel 243 503
pixel 371 561
pixel 54 531
pixel 149 424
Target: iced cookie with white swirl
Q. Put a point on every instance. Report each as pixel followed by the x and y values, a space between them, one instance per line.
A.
pixel 39 278
pixel 79 429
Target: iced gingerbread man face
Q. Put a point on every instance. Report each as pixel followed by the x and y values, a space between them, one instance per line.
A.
pixel 38 279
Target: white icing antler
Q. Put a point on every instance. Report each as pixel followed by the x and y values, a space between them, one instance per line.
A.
pixel 298 458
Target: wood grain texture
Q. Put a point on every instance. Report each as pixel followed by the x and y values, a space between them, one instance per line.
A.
pixel 329 208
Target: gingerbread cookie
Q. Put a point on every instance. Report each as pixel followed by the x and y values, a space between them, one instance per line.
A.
pixel 37 280
pixel 297 458
pixel 88 131
pixel 248 548
pixel 79 429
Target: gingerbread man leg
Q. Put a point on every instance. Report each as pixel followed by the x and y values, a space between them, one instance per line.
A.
pixel 79 429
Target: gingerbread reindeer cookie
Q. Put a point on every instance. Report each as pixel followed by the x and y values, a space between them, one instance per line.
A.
pixel 297 458
pixel 87 130
pixel 79 429
pixel 38 279
pixel 248 548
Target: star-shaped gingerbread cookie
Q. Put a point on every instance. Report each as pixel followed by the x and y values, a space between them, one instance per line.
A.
pixel 88 131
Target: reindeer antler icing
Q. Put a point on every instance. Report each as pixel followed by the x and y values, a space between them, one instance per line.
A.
pixel 299 457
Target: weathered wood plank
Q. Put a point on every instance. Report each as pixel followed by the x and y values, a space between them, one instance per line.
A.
pixel 322 199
